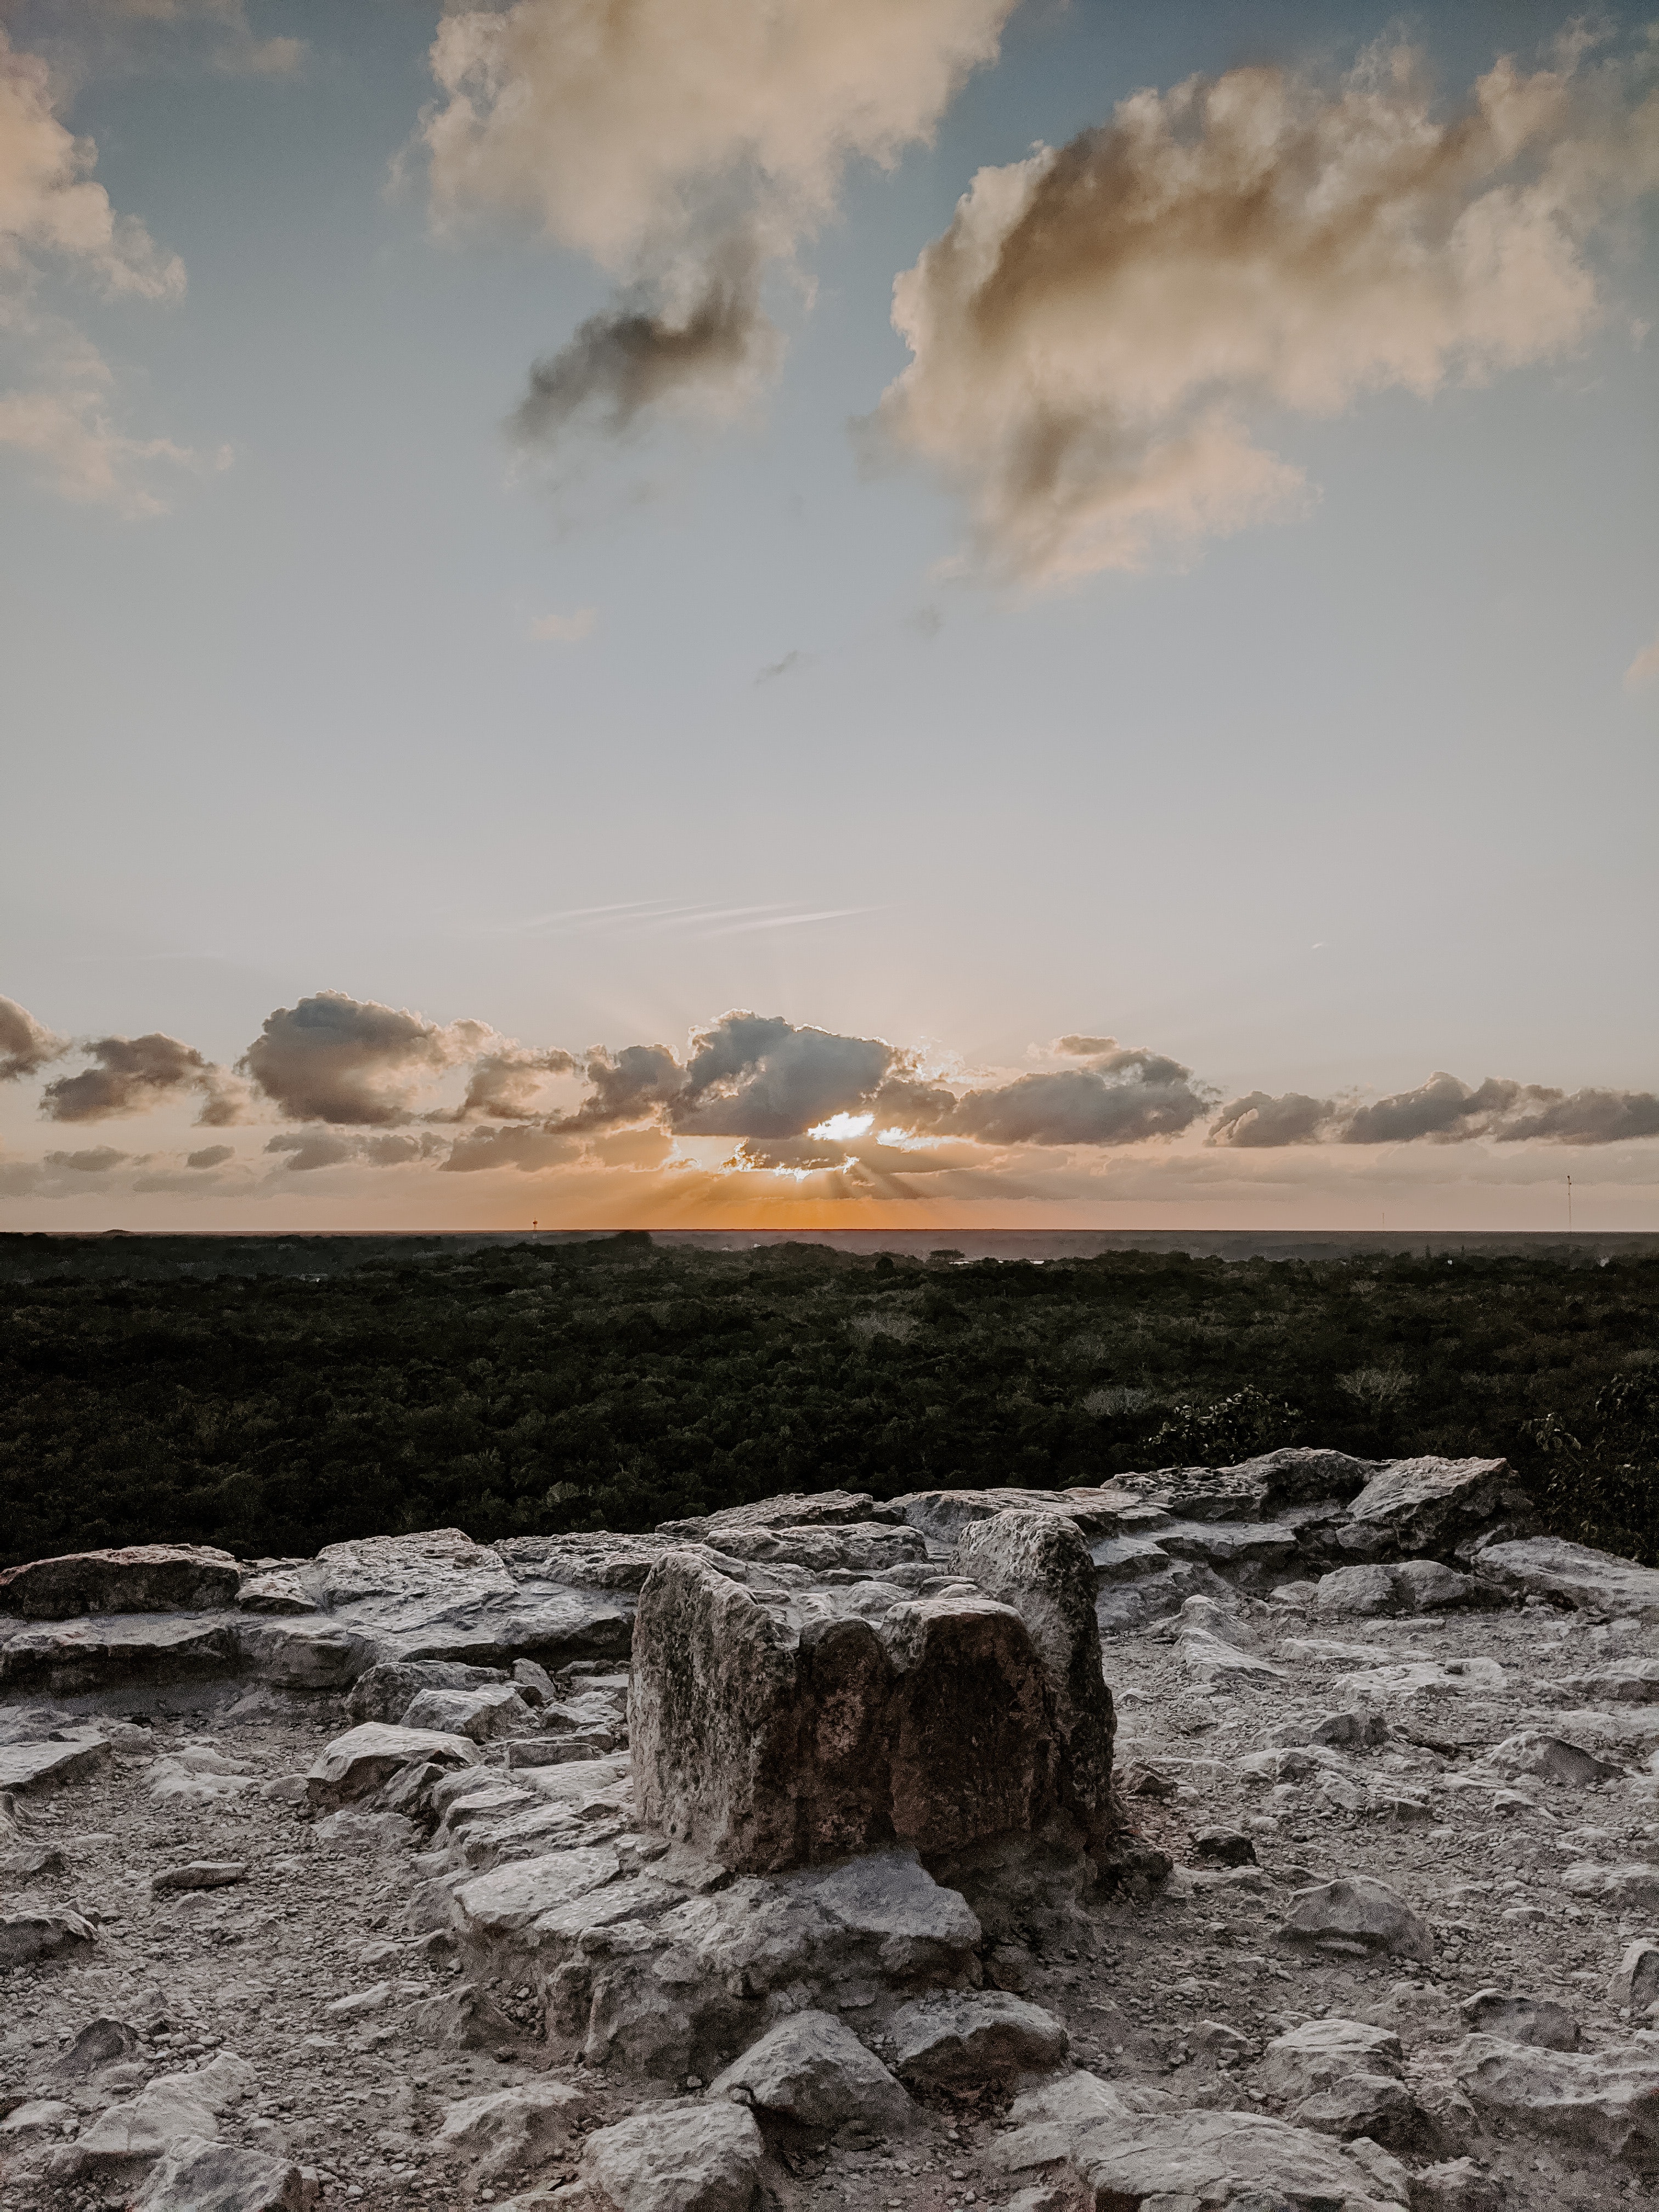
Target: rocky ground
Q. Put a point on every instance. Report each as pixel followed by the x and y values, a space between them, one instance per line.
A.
pixel 258 1947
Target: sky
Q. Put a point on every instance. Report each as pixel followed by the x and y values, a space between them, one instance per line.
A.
pixel 630 612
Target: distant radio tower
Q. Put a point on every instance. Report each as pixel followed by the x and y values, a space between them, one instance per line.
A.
pixel 1569 1206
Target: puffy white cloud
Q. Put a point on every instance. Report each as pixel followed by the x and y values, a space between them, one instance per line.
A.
pixel 1098 332
pixel 683 145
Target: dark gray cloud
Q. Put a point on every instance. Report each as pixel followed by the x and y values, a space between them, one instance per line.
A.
pixel 131 1075
pixel 99 1161
pixel 211 1156
pixel 327 1148
pixel 1442 1111
pixel 753 1075
pixel 1120 1095
pixel 527 1149
pixel 630 1085
pixel 1258 1121
pixel 773 669
pixel 351 1062
pixel 621 363
pixel 25 1047
pixel 504 1084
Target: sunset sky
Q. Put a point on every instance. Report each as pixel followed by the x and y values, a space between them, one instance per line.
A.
pixel 828 612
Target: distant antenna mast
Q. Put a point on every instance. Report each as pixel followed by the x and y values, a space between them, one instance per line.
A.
pixel 1569 1206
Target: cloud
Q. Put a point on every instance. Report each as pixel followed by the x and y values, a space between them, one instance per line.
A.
pixel 505 1081
pixel 1443 1111
pixel 57 399
pixel 685 146
pixel 210 1156
pixel 353 1062
pixel 567 629
pixel 1644 669
pixel 773 669
pixel 25 1047
pixel 751 1075
pixel 99 1161
pixel 232 47
pixel 307 1149
pixel 1121 1096
pixel 1258 1121
pixel 526 1149
pixel 131 1075
pixel 1098 332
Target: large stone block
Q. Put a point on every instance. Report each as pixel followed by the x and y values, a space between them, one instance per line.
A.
pixel 772 1734
pixel 140 1579
pixel 1039 1564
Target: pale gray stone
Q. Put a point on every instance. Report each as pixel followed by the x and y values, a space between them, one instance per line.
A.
pixel 386 1691
pixel 1539 2020
pixel 357 1763
pixel 1322 2051
pixel 1414 1508
pixel 524 2125
pixel 1457 2186
pixel 26 1937
pixel 1633 1887
pixel 1625 1682
pixel 1360 1912
pixel 1606 2101
pixel 1636 1982
pixel 25 1766
pixel 92 1655
pixel 201 1873
pixel 1533 1751
pixel 481 1715
pixel 678 2157
pixel 960 2038
pixel 176 2109
pixel 1360 1590
pixel 213 2177
pixel 312 1654
pixel 812 2069
pixel 1596 1581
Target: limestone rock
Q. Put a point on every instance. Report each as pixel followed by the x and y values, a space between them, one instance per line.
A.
pixel 1322 2051
pixel 314 1654
pixel 102 2042
pixel 1039 1564
pixel 600 1560
pixel 213 2177
pixel 25 1937
pixel 1633 1887
pixel 201 1873
pixel 1596 1581
pixel 678 2157
pixel 1360 1913
pixel 174 2110
pixel 942 1515
pixel 280 1591
pixel 386 1690
pixel 1413 1508
pixel 1392 2179
pixel 810 2067
pixel 25 1766
pixel 481 1715
pixel 1457 2186
pixel 958 2039
pixel 531 2122
pixel 1126 2146
pixel 771 1737
pixel 1531 1751
pixel 816 1508
pixel 1605 2100
pixel 139 1579
pixel 1359 1590
pixel 1538 2021
pixel 91 1654
pixel 1636 1983
pixel 1625 1682
pixel 356 1764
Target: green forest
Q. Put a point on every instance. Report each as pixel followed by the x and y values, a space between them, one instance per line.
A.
pixel 153 1390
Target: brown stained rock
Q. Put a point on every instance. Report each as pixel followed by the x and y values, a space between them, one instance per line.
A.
pixel 1039 1564
pixel 772 1736
pixel 973 1747
pixel 140 1579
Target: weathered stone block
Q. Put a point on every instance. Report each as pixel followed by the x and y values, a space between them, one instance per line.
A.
pixel 139 1579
